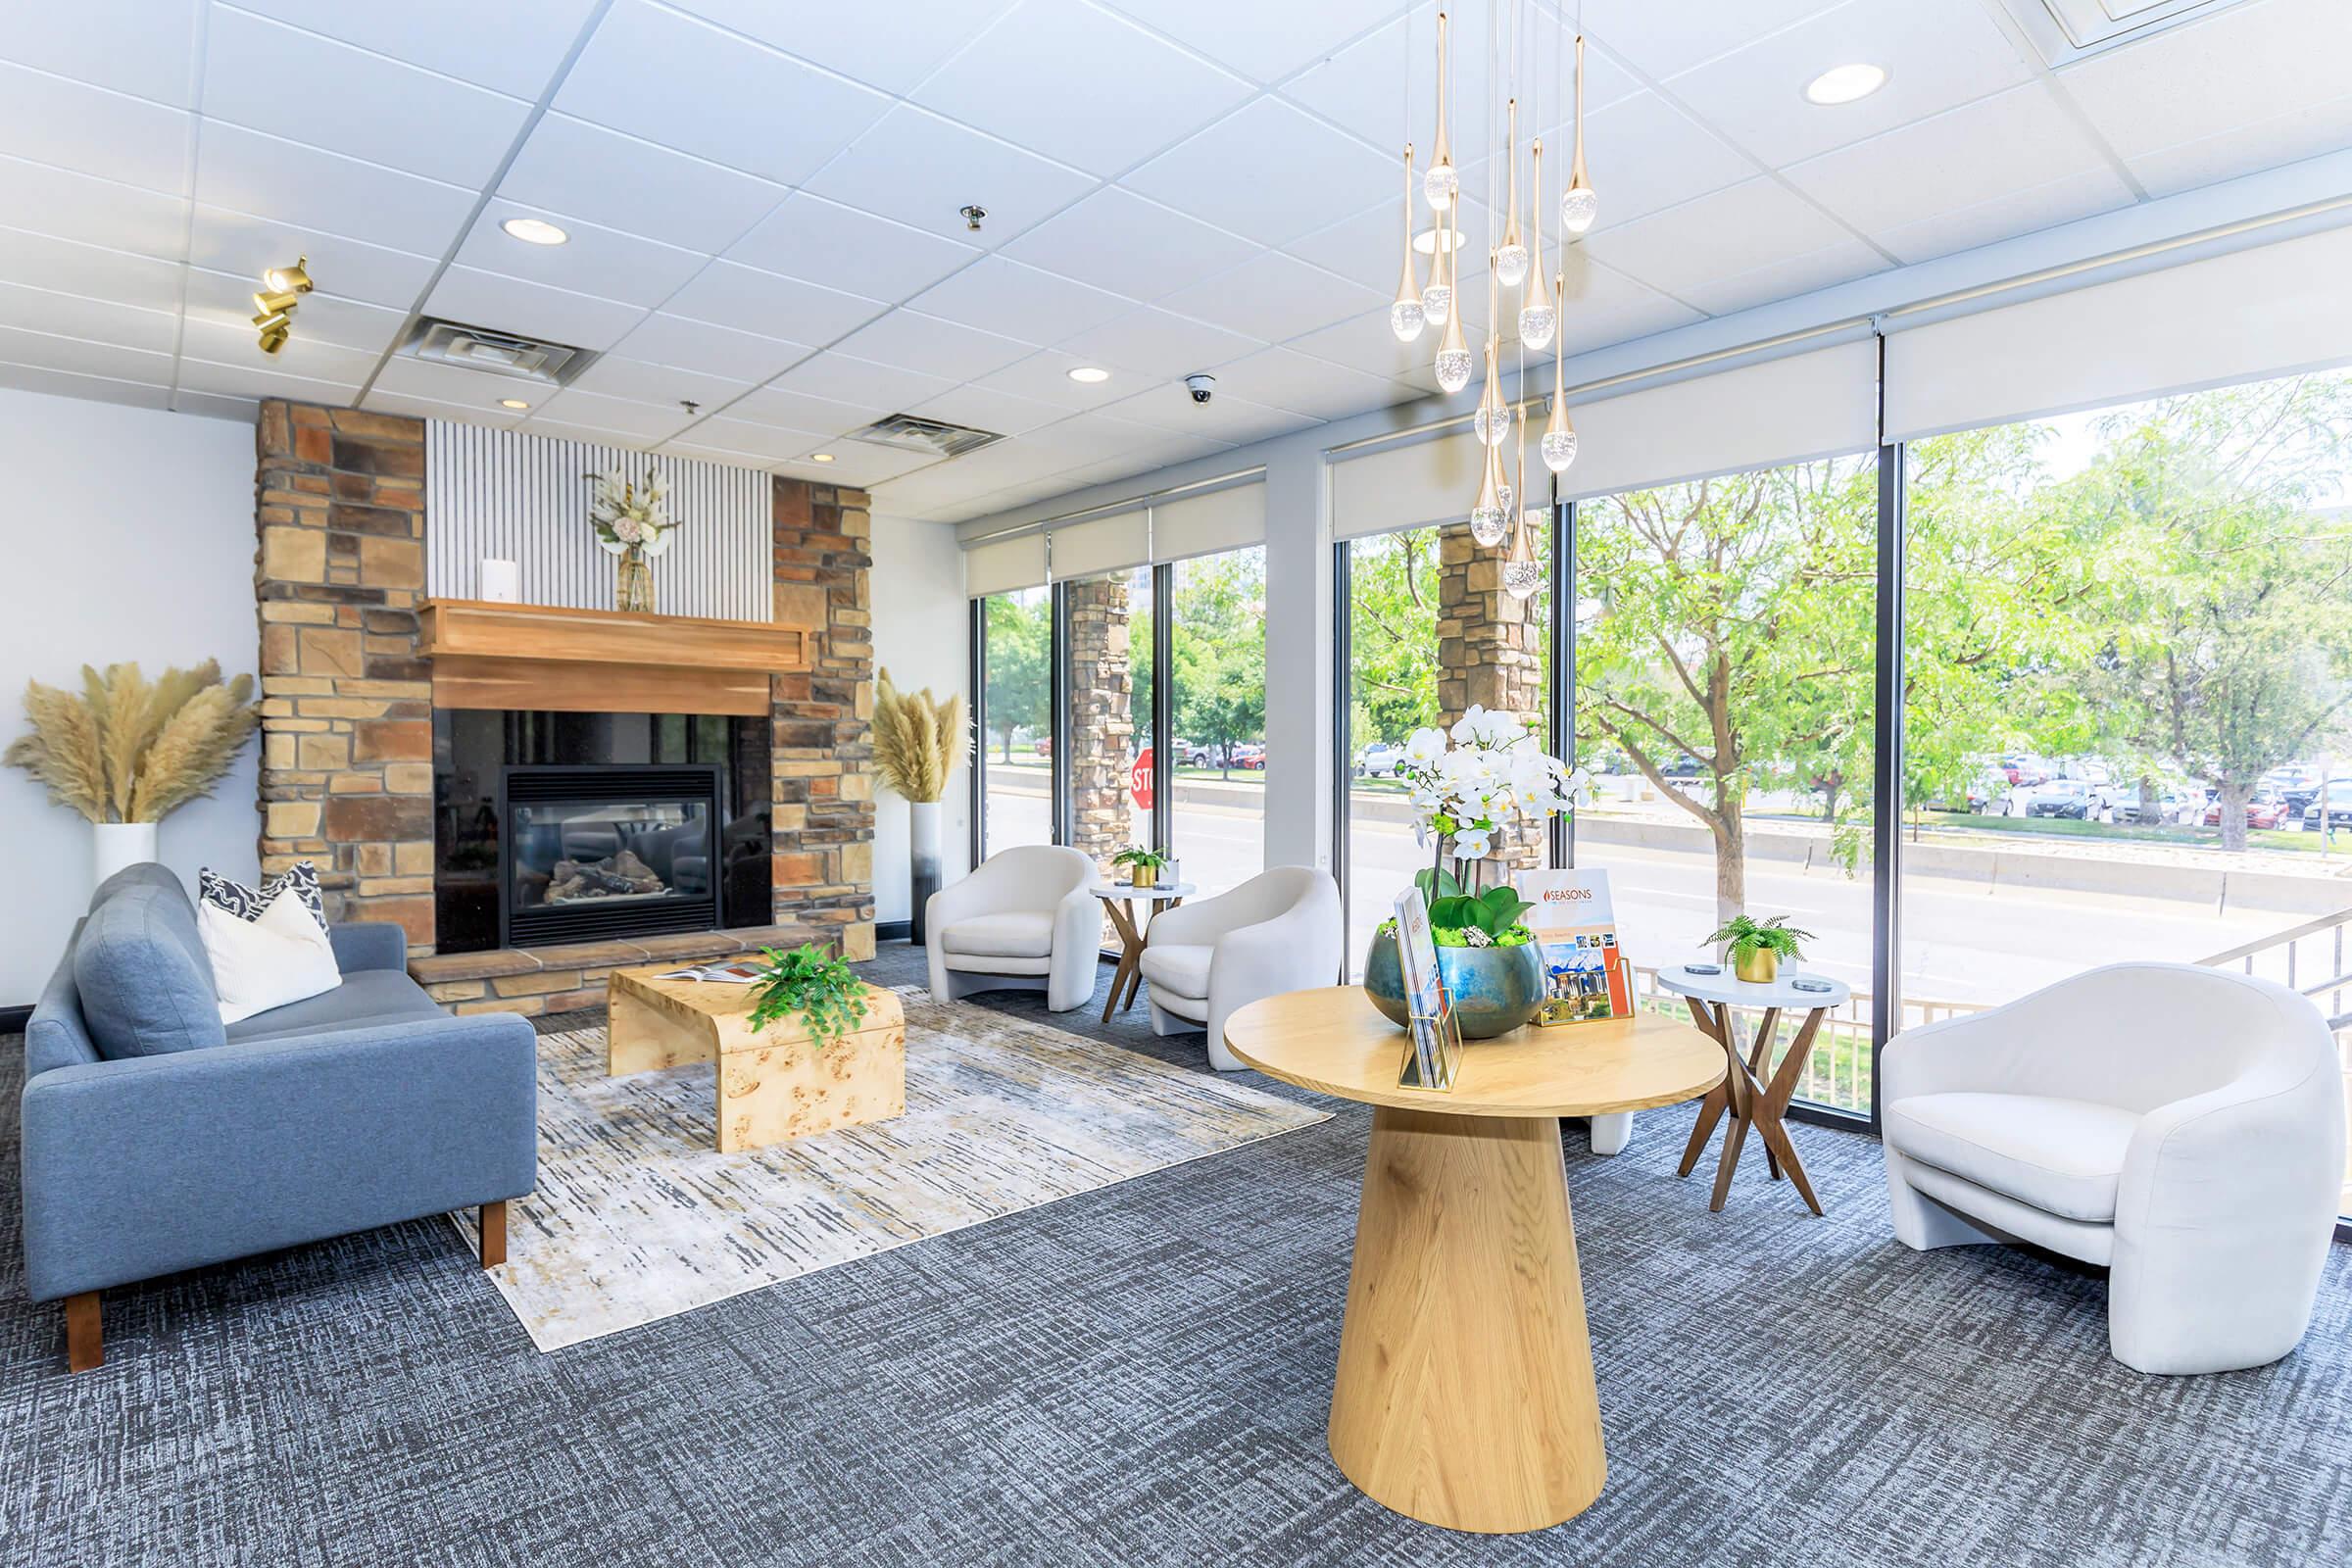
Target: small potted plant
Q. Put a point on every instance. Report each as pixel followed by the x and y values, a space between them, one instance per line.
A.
pixel 1143 867
pixel 1757 947
pixel 810 984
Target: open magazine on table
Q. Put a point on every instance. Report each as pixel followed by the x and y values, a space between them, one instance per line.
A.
pixel 737 973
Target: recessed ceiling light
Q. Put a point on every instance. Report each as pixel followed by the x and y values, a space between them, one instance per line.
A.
pixel 1426 242
pixel 512 403
pixel 820 456
pixel 534 231
pixel 1089 375
pixel 1842 85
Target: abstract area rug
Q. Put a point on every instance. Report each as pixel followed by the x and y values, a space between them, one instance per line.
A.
pixel 638 1218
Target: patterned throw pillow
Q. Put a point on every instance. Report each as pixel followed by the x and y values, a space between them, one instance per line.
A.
pixel 247 903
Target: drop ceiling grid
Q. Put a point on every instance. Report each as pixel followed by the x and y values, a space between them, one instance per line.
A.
pixel 1263 301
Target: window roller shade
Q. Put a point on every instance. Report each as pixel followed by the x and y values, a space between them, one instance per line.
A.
pixel 1211 523
pixel 1101 545
pixel 1005 565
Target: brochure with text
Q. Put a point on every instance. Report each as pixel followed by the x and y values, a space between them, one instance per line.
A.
pixel 1586 974
pixel 1436 1037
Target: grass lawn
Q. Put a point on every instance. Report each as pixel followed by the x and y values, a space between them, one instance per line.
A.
pixel 2194 838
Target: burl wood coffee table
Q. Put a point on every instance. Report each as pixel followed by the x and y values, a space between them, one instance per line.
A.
pixel 1464 1395
pixel 772 1085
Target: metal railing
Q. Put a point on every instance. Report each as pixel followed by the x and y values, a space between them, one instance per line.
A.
pixel 2315 947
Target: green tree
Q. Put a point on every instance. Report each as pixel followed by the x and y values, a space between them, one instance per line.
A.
pixel 1393 635
pixel 1020 641
pixel 1217 635
pixel 2222 615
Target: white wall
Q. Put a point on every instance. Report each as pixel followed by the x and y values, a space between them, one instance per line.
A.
pixel 922 635
pixel 129 537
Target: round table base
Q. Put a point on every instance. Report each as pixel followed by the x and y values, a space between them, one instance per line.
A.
pixel 1465 1397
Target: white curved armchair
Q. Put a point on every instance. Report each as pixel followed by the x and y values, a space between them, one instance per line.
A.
pixel 1023 920
pixel 2182 1125
pixel 1279 931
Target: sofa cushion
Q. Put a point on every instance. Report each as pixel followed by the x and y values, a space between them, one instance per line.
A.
pixel 162 879
pixel 1180 968
pixel 140 971
pixel 2063 1157
pixel 1014 934
pixel 260 965
pixel 248 904
pixel 365 1000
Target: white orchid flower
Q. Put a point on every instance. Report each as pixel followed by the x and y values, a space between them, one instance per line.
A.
pixel 1466 728
pixel 1471 844
pixel 1425 747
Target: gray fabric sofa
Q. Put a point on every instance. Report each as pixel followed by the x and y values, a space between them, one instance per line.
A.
pixel 156 1139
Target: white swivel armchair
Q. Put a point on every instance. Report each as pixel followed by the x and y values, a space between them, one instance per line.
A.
pixel 1023 920
pixel 1279 931
pixel 2184 1126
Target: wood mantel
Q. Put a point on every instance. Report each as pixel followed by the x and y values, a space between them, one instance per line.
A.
pixel 545 657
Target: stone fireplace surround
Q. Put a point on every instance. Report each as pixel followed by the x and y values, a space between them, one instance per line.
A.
pixel 347 735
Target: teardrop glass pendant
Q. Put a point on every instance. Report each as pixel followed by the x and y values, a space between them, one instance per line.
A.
pixel 1407 315
pixel 1512 257
pixel 1492 420
pixel 1559 445
pixel 1441 184
pixel 1580 204
pixel 1491 514
pixel 1522 573
pixel 1537 318
pixel 1453 355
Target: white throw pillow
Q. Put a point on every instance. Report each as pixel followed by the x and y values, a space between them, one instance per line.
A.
pixel 281 957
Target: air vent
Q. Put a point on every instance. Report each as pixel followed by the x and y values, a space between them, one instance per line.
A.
pixel 478 348
pixel 907 434
pixel 2067 31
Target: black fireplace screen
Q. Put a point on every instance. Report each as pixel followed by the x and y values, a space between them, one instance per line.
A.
pixel 609 851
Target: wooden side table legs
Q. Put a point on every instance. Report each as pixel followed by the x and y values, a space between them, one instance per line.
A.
pixel 1748 1099
pixel 1128 978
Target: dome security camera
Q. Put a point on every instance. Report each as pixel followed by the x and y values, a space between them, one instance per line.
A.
pixel 1202 385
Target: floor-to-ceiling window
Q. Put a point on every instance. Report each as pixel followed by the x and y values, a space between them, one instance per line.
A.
pixel 1015 750
pixel 1216 769
pixel 1392 690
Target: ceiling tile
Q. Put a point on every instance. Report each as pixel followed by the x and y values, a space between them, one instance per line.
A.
pixel 1045 377
pixel 1154 342
pixel 141 47
pixel 226 300
pixel 648 421
pixel 1979 153
pixel 92 131
pixel 270 77
pixel 717 455
pixel 250 172
pixel 1366 344
pixel 36 310
pixel 1224 417
pixel 98 389
pixel 782 409
pixel 231 342
pixel 924 170
pixel 1602 306
pixel 584 171
pixel 241 244
pixel 841 247
pixel 595 260
pixel 1363 88
pixel 759 441
pixel 1748 226
pixel 1014 82
pixel 1938 54
pixel 699 348
pixel 588 434
pixel 95 211
pixel 1116 240
pixel 985 408
pixel 858 383
pixel 1272 298
pixel 614 374
pixel 457 385
pixel 1641 154
pixel 2285 138
pixel 1661 40
pixel 1285 378
pixel 1011 300
pixel 82 357
pixel 679 82
pixel 512 49
pixel 1264 42
pixel 1841 262
pixel 749 300
pixel 380 401
pixel 43 263
pixel 932 345
pixel 919 35
pixel 1366 247
pixel 1267 172
pixel 856 463
pixel 260 382
pixel 2004 217
pixel 533 310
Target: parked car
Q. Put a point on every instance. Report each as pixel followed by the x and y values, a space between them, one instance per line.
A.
pixel 1248 754
pixel 1044 746
pixel 1379 759
pixel 2264 812
pixel 2171 805
pixel 2335 806
pixel 2072 799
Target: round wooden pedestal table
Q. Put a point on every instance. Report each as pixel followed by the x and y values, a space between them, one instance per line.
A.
pixel 1464 1395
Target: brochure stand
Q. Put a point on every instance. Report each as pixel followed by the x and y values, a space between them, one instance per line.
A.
pixel 1432 1036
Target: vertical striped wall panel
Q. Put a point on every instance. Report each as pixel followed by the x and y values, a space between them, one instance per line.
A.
pixel 508 496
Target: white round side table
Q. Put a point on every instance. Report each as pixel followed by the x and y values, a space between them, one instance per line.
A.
pixel 1127 979
pixel 1744 1091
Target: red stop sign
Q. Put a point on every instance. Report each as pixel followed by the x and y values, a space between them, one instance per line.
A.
pixel 1139 778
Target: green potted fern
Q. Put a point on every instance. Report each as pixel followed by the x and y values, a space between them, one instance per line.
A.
pixel 1757 947
pixel 1143 866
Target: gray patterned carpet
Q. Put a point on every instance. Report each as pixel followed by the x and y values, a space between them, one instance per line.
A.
pixel 1138 1375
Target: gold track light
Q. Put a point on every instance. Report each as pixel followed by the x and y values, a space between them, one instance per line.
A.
pixel 283 289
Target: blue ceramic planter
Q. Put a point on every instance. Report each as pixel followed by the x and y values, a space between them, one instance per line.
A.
pixel 1494 989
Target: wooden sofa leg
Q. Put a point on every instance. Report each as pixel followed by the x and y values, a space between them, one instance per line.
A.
pixel 494 1235
pixel 84 1347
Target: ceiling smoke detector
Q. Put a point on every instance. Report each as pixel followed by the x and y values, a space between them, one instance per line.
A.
pixel 905 432
pixel 480 348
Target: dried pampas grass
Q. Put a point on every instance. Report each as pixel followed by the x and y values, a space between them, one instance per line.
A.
pixel 917 740
pixel 127 750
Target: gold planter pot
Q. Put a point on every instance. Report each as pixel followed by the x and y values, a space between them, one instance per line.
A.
pixel 1143 876
pixel 1760 967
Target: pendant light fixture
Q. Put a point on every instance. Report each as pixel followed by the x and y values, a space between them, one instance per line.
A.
pixel 1453 355
pixel 1406 316
pixel 1510 259
pixel 1492 420
pixel 1490 516
pixel 1538 319
pixel 1522 574
pixel 1559 445
pixel 1580 204
pixel 1441 184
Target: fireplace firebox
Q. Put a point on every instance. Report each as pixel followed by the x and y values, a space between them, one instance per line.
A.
pixel 590 852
